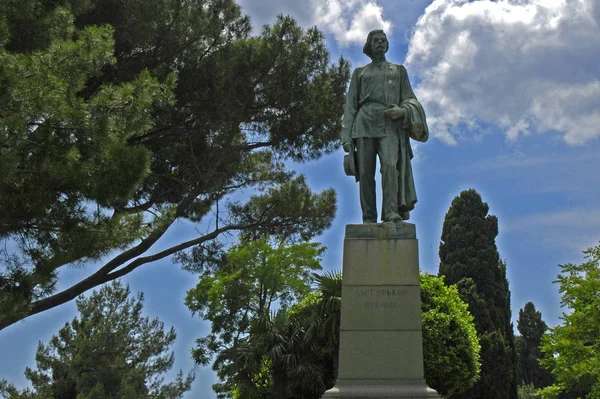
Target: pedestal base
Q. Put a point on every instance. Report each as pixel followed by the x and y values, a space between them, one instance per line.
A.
pixel 383 389
pixel 381 344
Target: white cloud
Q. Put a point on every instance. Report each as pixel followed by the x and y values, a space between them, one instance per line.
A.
pixel 530 66
pixel 349 21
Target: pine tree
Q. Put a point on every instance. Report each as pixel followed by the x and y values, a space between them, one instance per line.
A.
pixel 111 350
pixel 469 258
pixel 120 118
pixel 532 328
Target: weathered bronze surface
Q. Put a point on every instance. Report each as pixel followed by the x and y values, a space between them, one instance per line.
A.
pixel 380 115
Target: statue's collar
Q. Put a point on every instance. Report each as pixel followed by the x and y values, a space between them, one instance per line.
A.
pixel 379 62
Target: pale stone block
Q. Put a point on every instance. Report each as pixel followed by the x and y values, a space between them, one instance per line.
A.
pixel 381 262
pixel 381 231
pixel 381 307
pixel 381 391
pixel 388 381
pixel 381 344
pixel 396 355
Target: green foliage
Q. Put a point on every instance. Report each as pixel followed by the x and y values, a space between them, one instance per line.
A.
pixel 450 343
pixel 59 151
pixel 117 119
pixel 497 366
pixel 318 314
pixel 282 207
pixel 238 290
pixel 110 350
pixel 279 341
pixel 532 328
pixel 571 349
pixel 293 353
pixel 451 348
pixel 469 258
pixel 527 391
pixel 468 250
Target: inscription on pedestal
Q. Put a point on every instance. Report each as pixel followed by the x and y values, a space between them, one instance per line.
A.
pixel 380 292
pixel 379 307
pixel 380 298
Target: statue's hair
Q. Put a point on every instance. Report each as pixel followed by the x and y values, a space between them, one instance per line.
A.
pixel 367 47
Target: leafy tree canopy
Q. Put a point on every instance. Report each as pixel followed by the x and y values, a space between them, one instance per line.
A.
pixel 469 258
pixel 450 343
pixel 238 290
pixel 118 119
pixel 532 328
pixel 291 353
pixel 571 349
pixel 468 250
pixel 110 351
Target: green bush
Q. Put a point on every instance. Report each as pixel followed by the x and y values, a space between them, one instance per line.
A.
pixel 450 343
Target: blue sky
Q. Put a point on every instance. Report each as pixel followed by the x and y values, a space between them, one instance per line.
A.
pixel 512 93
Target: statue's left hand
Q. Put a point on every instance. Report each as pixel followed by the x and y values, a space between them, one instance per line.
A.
pixel 395 112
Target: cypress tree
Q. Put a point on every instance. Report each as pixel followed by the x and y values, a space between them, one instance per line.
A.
pixel 532 328
pixel 469 258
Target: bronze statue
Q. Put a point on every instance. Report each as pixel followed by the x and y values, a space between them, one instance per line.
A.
pixel 380 115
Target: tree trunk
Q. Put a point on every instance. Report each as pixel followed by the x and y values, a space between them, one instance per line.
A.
pixel 280 385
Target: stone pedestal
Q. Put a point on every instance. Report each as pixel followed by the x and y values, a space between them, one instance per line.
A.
pixel 381 344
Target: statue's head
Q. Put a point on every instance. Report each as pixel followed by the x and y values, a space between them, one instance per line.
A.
pixel 370 46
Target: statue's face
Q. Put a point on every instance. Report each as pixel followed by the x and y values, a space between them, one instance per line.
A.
pixel 378 43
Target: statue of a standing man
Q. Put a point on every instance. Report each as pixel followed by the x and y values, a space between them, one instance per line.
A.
pixel 380 115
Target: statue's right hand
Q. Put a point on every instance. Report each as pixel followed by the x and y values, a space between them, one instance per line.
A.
pixel 347 147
